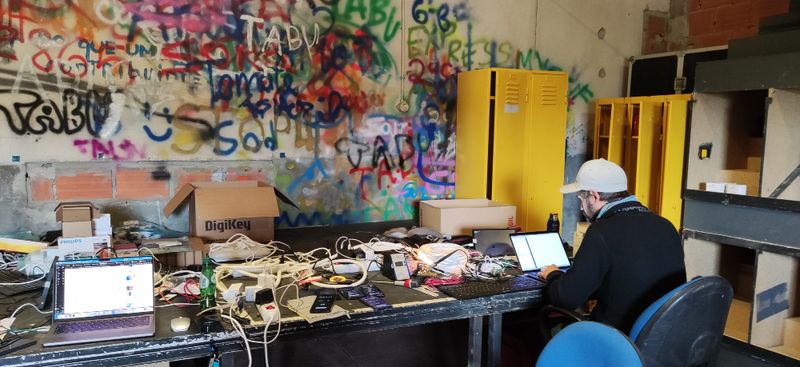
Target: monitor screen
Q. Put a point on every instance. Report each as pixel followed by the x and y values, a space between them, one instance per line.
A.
pixel 539 249
pixel 100 287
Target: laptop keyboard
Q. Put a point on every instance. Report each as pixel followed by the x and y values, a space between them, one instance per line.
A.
pixel 477 289
pixel 104 324
pixel 13 276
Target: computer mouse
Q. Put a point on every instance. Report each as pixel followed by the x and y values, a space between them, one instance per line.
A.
pixel 179 324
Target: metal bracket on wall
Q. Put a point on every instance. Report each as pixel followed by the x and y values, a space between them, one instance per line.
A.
pixel 786 182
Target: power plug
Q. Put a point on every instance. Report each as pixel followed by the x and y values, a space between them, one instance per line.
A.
pixel 265 304
pixel 269 312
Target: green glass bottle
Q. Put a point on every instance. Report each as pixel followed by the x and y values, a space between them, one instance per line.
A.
pixel 208 288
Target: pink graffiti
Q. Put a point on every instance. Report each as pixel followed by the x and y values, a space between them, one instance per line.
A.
pixel 108 150
pixel 190 15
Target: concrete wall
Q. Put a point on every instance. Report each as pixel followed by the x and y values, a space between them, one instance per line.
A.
pixel 121 102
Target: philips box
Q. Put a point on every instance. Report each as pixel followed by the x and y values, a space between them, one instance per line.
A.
pixel 84 245
pixel 218 210
pixel 461 216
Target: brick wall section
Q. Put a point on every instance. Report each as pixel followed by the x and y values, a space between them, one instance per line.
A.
pixel 655 32
pixel 716 22
pixel 139 184
pixel 41 189
pixel 84 186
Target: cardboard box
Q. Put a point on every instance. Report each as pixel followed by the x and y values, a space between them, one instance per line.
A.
pixel 76 218
pixel 218 210
pixel 84 245
pixel 461 216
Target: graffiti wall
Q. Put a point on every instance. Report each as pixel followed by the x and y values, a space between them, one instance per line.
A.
pixel 351 101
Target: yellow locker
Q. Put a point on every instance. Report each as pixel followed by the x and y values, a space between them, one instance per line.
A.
pixel 646 136
pixel 510 140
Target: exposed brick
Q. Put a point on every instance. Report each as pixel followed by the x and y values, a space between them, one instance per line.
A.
pixel 656 24
pixel 744 33
pixel 138 184
pixel 246 176
pixel 41 189
pixel 709 40
pixel 93 185
pixel 708 4
pixel 703 22
pixel 185 177
pixel 766 8
pixel 735 17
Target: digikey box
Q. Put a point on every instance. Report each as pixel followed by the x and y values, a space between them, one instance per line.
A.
pixel 218 210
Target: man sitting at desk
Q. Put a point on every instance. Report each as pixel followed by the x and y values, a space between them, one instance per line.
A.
pixel 629 256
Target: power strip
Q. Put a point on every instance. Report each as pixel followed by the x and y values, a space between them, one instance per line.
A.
pixel 231 253
pixel 256 269
pixel 270 313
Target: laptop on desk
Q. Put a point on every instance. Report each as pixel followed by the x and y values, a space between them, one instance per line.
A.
pixel 536 250
pixel 493 242
pixel 102 299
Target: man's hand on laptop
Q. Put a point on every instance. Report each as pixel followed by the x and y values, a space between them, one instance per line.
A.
pixel 547 270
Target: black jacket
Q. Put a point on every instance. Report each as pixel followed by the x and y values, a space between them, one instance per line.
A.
pixel 629 258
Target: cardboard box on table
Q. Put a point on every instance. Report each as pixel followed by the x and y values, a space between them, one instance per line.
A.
pixel 218 210
pixel 76 218
pixel 461 216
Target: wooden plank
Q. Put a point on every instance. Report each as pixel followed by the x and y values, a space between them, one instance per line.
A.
pixel 702 257
pixel 775 299
pixel 781 148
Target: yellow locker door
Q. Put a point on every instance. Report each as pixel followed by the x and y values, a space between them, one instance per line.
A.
pixel 546 133
pixel 673 156
pixel 472 132
pixel 616 134
pixel 646 137
pixel 511 117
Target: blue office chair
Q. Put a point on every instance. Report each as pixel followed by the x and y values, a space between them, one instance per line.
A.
pixel 684 327
pixel 589 343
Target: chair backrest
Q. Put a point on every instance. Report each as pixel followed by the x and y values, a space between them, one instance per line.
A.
pixel 589 343
pixel 685 326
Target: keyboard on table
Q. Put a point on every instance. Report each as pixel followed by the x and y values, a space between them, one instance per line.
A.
pixel 14 282
pixel 475 289
pixel 104 324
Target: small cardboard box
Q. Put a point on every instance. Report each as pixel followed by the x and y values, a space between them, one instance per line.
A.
pixel 461 216
pixel 76 218
pixel 84 245
pixel 218 210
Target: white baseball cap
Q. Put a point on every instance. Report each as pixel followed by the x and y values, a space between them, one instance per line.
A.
pixel 598 175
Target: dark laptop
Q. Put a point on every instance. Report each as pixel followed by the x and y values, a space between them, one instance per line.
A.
pixel 535 250
pixel 102 299
pixel 493 242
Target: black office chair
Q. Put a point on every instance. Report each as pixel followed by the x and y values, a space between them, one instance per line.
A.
pixel 682 328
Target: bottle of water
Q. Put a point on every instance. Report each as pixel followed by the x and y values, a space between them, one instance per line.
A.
pixel 552 223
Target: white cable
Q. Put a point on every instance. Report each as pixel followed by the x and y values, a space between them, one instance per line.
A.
pixel 31 305
pixel 240 330
pixel 266 343
pixel 361 267
pixel 25 282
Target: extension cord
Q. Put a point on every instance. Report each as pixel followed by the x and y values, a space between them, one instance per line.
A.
pixel 236 270
pixel 230 253
pixel 269 313
pixel 341 268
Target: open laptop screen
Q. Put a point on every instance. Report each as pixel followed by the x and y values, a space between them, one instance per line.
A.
pixel 493 242
pixel 538 249
pixel 102 287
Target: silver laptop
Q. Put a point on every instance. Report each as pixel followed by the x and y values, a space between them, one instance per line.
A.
pixel 102 299
pixel 535 250
pixel 493 242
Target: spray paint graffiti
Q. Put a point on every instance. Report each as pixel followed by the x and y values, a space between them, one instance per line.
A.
pixel 309 85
